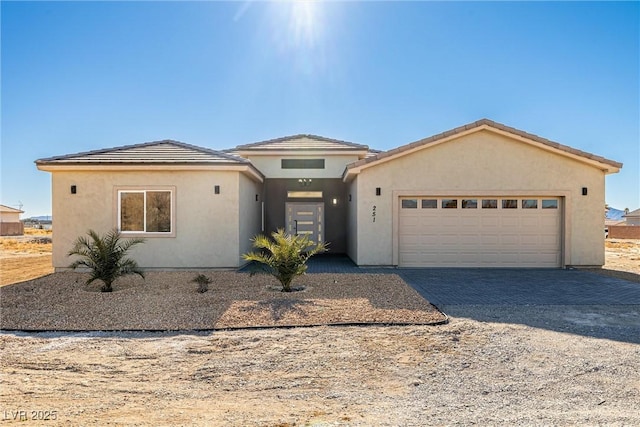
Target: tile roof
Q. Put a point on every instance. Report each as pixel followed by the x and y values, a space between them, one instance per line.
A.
pixel 302 142
pixel 4 208
pixel 632 213
pixel 156 152
pixel 478 124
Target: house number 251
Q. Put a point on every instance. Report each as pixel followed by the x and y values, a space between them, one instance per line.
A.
pixel 373 213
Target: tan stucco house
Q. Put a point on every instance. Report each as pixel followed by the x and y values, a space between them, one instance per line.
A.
pixel 632 218
pixel 10 224
pixel 480 195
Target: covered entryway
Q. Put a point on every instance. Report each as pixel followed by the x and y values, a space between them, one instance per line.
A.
pixel 304 218
pixel 480 231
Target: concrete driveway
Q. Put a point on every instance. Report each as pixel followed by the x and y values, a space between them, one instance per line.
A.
pixel 568 301
pixel 448 286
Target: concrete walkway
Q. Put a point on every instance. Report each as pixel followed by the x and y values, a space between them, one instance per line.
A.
pixel 475 286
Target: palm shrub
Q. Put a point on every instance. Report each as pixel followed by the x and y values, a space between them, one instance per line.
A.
pixel 203 283
pixel 105 257
pixel 284 256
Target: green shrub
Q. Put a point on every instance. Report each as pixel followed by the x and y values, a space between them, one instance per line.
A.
pixel 203 283
pixel 105 257
pixel 283 256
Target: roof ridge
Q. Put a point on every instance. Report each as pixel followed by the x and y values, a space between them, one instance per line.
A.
pixel 11 209
pixel 477 124
pixel 300 135
pixel 143 145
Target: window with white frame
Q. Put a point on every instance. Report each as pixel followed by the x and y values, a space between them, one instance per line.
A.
pixel 145 211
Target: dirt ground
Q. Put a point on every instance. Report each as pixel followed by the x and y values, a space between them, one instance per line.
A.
pixel 465 372
pixel 26 257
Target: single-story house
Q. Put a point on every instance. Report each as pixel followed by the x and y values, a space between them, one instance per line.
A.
pixel 480 195
pixel 10 224
pixel 627 228
pixel 632 218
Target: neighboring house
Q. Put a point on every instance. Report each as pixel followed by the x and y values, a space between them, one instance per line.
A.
pixel 10 224
pixel 481 195
pixel 627 228
pixel 632 218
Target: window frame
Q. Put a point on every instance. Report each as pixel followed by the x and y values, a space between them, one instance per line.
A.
pixel 444 202
pixel 432 202
pixel 144 189
pixel 302 163
pixel 408 205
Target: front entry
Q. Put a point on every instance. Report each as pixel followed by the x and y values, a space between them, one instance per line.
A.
pixel 305 218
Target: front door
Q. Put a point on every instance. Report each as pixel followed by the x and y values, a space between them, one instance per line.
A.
pixel 304 218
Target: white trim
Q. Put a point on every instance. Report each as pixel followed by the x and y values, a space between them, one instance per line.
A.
pixel 248 170
pixel 279 153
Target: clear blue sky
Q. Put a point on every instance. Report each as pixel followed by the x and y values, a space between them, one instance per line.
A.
pixel 79 76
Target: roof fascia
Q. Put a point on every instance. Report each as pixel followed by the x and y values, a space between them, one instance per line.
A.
pixel 307 152
pixel 606 168
pixel 247 169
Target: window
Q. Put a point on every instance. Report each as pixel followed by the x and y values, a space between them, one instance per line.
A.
pixel 549 204
pixel 409 204
pixel 145 211
pixel 469 203
pixel 529 204
pixel 304 194
pixel 429 204
pixel 509 204
pixel 449 204
pixel 489 204
pixel 302 163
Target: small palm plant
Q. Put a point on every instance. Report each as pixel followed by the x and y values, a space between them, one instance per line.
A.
pixel 105 257
pixel 284 256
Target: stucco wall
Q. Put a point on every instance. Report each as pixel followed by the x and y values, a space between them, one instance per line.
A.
pixel 10 217
pixel 352 221
pixel 334 166
pixel 490 164
pixel 206 224
pixel 250 213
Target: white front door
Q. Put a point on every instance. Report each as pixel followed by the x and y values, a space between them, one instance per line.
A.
pixel 304 218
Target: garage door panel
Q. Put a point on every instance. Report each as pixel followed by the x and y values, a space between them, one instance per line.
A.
pixel 470 221
pixel 480 237
pixel 489 221
pixel 489 239
pixel 509 239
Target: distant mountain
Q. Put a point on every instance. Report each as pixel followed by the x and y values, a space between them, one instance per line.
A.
pixel 614 214
pixel 44 218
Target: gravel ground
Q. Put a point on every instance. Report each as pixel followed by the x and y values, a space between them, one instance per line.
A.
pixel 465 372
pixel 490 365
pixel 169 301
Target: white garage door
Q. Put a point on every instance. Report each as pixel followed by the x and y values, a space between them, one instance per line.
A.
pixel 479 232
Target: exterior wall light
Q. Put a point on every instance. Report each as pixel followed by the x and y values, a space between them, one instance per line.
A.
pixel 305 182
pixel 378 191
pixel 216 189
pixel 334 201
pixel 74 189
pixel 584 191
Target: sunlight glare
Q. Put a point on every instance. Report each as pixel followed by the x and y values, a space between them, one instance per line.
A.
pixel 303 24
